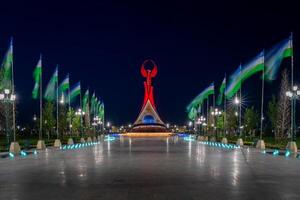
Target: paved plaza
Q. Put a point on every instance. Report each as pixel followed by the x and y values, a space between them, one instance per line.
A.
pixel 150 168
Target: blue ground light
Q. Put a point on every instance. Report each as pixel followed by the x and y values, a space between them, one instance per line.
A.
pixel 77 146
pixel 276 152
pixel 221 145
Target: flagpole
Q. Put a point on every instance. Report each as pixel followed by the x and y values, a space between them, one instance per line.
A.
pixel 69 104
pixel 13 93
pixel 292 85
pixel 80 112
pixel 262 97
pixel 240 106
pixel 57 105
pixel 41 102
pixel 207 113
pixel 225 106
pixel 214 117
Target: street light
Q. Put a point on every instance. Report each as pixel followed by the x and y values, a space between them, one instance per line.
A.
pixel 80 113
pixel 62 100
pixel 293 95
pixel 217 113
pixel 8 98
pixel 238 103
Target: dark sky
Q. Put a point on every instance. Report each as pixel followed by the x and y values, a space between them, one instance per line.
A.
pixel 103 44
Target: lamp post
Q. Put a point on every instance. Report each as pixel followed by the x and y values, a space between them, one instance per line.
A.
pixel 293 95
pixel 190 124
pixel 237 102
pixel 80 113
pixel 96 122
pixel 216 113
pixel 238 113
pixel 7 98
pixel 200 121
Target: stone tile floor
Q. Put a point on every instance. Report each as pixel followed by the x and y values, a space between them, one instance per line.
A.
pixel 150 168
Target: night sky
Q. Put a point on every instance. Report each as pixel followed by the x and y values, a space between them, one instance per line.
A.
pixel 103 44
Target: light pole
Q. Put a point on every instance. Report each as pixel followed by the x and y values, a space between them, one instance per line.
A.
pixel 216 113
pixel 293 95
pixel 108 125
pixel 237 102
pixel 80 113
pixel 96 121
pixel 190 125
pixel 7 98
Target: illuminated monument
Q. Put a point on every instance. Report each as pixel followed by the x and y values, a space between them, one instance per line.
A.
pixel 148 122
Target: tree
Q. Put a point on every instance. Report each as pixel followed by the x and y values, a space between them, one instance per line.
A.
pixel 231 120
pixel 251 120
pixel 220 122
pixel 48 117
pixel 272 113
pixel 63 121
pixel 283 118
pixel 75 121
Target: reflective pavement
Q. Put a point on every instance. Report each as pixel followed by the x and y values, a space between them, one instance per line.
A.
pixel 150 168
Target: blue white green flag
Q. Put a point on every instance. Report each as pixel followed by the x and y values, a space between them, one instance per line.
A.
pixel 274 57
pixel 202 96
pixel 37 76
pixel 50 92
pixel 75 91
pixel 6 69
pixel 221 92
pixel 243 73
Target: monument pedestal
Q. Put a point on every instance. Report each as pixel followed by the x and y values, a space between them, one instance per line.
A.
pixel 14 148
pixel 70 141
pixel 240 142
pixel 57 143
pixel 260 144
pixel 292 147
pixel 224 140
pixel 40 145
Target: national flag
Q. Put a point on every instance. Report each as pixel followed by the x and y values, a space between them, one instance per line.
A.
pixel 93 103
pixel 202 96
pixel 221 92
pixel 37 76
pixel 274 57
pixel 85 101
pixel 101 112
pixel 64 85
pixel 50 92
pixel 243 73
pixel 75 91
pixel 6 69
pixel 192 113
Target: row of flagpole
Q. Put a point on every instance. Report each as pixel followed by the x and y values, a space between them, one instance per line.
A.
pixel 7 83
pixel 274 57
pixel 57 88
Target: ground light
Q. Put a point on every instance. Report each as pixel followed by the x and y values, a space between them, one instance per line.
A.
pixel 23 153
pixel 77 146
pixel 221 145
pixel 287 154
pixel 189 138
pixel 11 155
pixel 109 138
pixel 276 152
